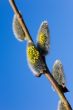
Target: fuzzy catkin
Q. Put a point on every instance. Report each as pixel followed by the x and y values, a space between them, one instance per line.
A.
pixel 17 30
pixel 35 61
pixel 58 72
pixel 43 38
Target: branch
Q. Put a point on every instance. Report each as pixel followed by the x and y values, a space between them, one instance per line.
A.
pixel 58 90
pixel 47 74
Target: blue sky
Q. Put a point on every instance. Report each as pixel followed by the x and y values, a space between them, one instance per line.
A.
pixel 19 89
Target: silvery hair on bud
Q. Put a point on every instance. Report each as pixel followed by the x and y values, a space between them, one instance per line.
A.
pixel 45 46
pixel 61 106
pixel 17 29
pixel 58 72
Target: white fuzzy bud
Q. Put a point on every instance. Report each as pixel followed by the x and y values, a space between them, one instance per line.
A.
pixel 58 72
pixel 43 38
pixel 17 29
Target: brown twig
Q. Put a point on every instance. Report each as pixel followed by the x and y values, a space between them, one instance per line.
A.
pixel 47 74
pixel 58 90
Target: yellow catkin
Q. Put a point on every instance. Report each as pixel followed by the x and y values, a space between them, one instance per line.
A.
pixel 33 54
pixel 42 38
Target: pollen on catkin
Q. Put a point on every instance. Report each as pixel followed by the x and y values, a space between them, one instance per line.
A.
pixel 43 38
pixel 33 54
pixel 35 61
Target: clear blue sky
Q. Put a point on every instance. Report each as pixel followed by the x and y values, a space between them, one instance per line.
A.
pixel 19 89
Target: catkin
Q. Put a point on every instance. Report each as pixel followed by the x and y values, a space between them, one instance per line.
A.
pixel 43 38
pixel 17 30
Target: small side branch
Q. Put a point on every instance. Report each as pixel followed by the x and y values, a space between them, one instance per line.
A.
pixel 47 74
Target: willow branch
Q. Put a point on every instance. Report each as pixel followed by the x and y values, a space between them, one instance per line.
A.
pixel 20 19
pixel 58 90
pixel 47 74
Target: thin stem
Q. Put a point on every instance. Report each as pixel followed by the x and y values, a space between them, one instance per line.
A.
pixel 20 19
pixel 47 74
pixel 58 90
